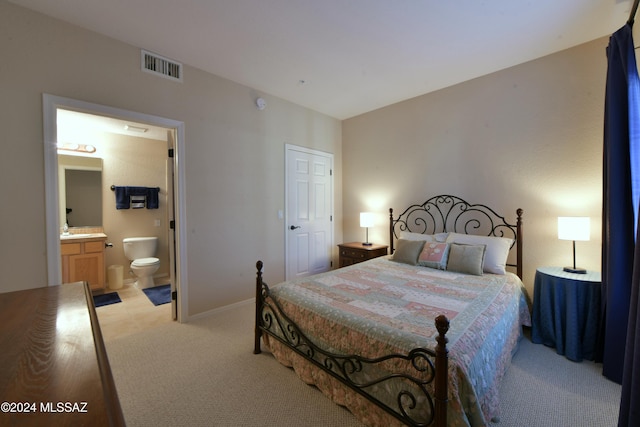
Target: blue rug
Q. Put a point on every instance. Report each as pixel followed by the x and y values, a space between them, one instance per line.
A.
pixel 158 295
pixel 106 299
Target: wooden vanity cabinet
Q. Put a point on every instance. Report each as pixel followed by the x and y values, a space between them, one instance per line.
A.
pixel 83 260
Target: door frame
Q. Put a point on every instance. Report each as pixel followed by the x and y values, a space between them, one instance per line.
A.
pixel 50 106
pixel 292 147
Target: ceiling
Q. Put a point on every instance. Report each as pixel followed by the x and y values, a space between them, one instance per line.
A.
pixel 345 57
pixel 73 126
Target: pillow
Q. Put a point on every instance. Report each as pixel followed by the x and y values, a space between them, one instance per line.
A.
pixel 434 255
pixel 497 250
pixel 439 237
pixel 466 259
pixel 407 251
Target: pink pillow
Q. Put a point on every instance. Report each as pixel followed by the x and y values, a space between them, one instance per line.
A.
pixel 434 255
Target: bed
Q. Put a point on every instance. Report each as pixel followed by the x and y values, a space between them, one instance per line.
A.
pixel 420 337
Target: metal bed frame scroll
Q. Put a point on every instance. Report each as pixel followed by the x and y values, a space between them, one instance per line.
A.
pixel 430 366
pixel 441 214
pixel 422 373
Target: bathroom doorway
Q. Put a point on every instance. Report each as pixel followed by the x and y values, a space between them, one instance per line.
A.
pixel 173 141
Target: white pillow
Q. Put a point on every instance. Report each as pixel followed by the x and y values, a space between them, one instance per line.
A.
pixel 495 259
pixel 439 237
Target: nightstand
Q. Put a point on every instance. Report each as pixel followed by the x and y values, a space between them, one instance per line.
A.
pixel 355 252
pixel 566 311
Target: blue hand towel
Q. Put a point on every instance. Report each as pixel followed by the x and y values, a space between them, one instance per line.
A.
pixel 122 198
pixel 152 198
pixel 137 191
pixel 139 196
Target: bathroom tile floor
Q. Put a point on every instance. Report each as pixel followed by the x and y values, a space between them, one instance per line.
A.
pixel 134 314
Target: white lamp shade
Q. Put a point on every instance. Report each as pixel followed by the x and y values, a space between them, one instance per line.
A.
pixel 366 219
pixel 574 228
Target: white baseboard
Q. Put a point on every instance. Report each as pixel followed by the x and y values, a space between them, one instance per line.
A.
pixel 222 309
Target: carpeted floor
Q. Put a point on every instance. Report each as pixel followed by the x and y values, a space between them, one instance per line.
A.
pixel 204 374
pixel 547 389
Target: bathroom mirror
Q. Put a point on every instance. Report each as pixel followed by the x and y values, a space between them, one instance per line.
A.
pixel 80 190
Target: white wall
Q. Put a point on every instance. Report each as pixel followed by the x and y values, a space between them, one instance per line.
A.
pixel 527 137
pixel 234 154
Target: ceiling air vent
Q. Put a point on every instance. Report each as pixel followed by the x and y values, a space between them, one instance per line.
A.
pixel 159 65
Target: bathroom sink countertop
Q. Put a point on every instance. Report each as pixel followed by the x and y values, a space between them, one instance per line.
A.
pixel 78 236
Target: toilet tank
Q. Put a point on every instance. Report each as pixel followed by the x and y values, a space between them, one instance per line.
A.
pixel 139 247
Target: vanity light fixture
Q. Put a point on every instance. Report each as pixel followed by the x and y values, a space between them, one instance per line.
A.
pixel 80 148
pixel 68 146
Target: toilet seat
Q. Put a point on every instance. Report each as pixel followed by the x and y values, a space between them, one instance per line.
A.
pixel 145 262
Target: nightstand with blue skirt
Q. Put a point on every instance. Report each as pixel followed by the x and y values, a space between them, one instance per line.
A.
pixel 566 311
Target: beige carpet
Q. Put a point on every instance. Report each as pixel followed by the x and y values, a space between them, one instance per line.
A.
pixel 205 374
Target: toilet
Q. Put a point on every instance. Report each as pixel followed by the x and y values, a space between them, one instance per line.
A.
pixel 141 251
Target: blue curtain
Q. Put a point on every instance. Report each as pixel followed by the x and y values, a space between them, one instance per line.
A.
pixel 618 339
pixel 618 237
pixel 630 399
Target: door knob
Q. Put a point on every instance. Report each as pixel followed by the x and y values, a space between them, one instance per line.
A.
pixel 293 227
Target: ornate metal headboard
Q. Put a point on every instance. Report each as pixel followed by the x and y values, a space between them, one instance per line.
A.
pixel 446 213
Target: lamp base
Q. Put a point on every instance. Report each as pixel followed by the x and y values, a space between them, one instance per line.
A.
pixel 575 270
pixel 367 244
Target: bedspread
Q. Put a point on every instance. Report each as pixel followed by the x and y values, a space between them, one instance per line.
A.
pixel 381 306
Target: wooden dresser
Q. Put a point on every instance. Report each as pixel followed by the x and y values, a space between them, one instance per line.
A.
pixel 54 367
pixel 355 252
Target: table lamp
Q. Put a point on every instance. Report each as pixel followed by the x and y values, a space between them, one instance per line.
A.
pixel 574 228
pixel 366 221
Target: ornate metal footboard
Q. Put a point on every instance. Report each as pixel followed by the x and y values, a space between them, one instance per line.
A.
pixel 420 377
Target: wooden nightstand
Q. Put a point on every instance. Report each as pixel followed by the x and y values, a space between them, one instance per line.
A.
pixel 355 252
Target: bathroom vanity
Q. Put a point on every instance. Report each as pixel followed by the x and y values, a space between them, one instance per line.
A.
pixel 83 259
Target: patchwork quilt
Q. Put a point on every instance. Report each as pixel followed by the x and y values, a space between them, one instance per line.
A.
pixel 381 307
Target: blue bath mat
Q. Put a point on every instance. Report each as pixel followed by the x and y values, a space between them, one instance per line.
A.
pixel 158 295
pixel 106 299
